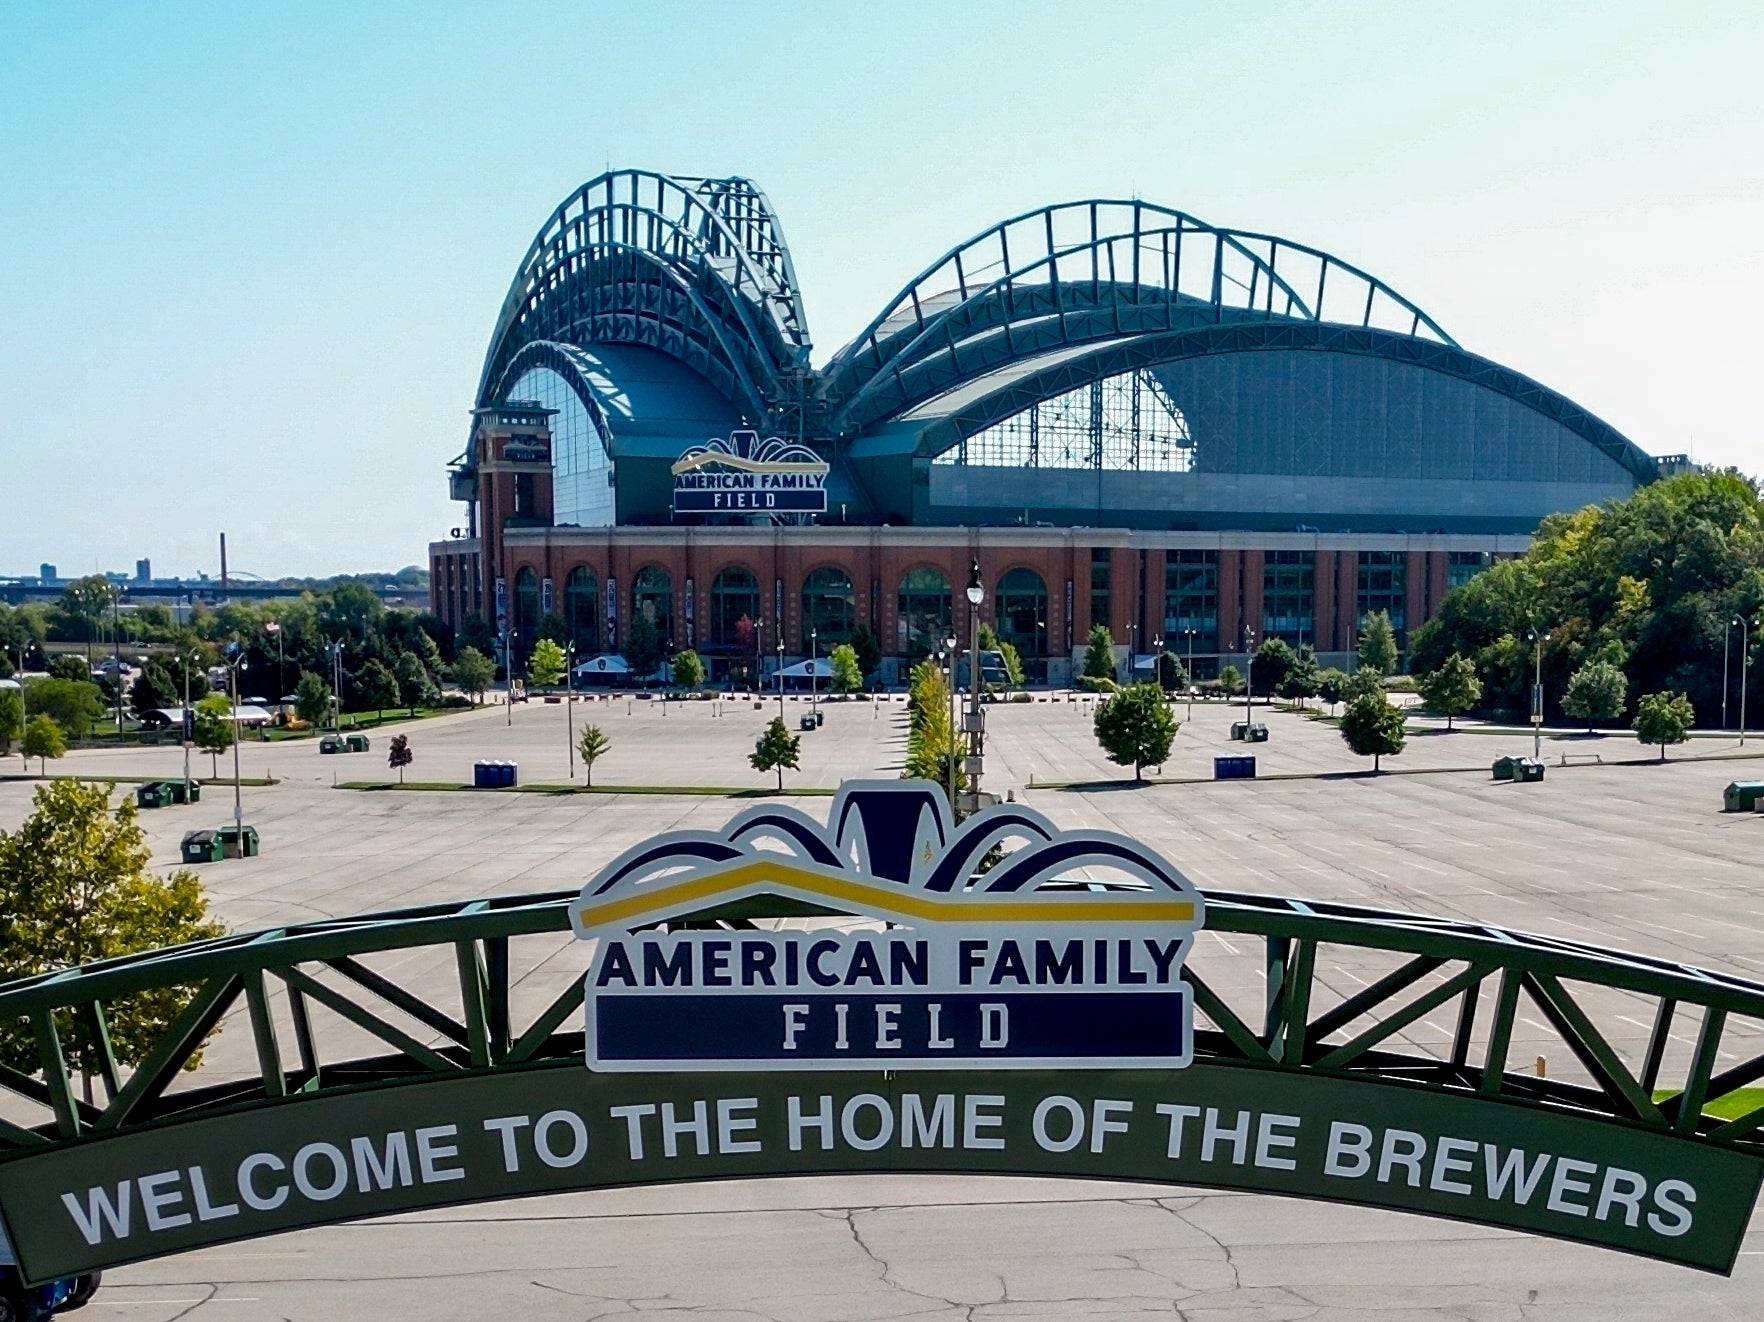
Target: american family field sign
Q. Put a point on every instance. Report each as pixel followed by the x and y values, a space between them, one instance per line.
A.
pixel 920 999
pixel 745 475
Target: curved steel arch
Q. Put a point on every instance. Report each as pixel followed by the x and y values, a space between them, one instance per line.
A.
pixel 567 360
pixel 1188 250
pixel 1288 1024
pixel 1111 358
pixel 717 239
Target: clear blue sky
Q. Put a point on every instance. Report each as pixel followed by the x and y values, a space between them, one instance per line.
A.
pixel 250 254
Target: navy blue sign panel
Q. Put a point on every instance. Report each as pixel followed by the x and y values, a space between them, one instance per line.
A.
pixel 1006 944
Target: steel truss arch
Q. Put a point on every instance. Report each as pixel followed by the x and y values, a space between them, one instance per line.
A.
pixel 573 365
pixel 1110 358
pixel 1185 258
pixel 718 239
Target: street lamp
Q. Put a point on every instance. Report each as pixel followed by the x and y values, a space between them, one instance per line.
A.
pixel 1249 674
pixel 1189 634
pixel 814 655
pixel 186 662
pixel 780 672
pixel 948 653
pixel 274 629
pixel 235 664
pixel 976 742
pixel 1537 642
pixel 570 703
pixel 1157 655
pixel 337 687
pixel 1745 625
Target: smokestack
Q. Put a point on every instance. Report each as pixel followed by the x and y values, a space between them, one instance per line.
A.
pixel 223 560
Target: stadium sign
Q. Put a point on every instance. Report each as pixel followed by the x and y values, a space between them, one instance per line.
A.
pixel 956 970
pixel 745 475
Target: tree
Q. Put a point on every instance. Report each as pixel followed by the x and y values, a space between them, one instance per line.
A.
pixel 1378 644
pixel 1664 718
pixel 1135 727
pixel 867 650
pixel 312 699
pixel 593 746
pixel 688 669
pixel 74 705
pixel 75 887
pixel 1363 683
pixel 83 603
pixel 399 756
pixel 215 729
pixel 42 740
pixel 848 674
pixel 377 687
pixel 152 690
pixel 547 663
pixel 1452 688
pixel 1373 727
pixel 553 628
pixel 1171 673
pixel 1230 679
pixel 69 667
pixel 1302 678
pixel 11 719
pixel 1013 662
pixel 643 648
pixel 473 672
pixel 1099 653
pixel 1596 692
pixel 1332 686
pixel 416 686
pixel 476 634
pixel 776 749
pixel 1270 665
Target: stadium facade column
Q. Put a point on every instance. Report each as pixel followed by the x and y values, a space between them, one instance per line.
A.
pixel 1231 604
pixel 1347 600
pixel 1323 601
pixel 1437 578
pixel 1154 600
pixel 1414 592
pixel 1254 567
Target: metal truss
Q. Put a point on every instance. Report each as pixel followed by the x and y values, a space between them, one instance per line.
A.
pixel 1127 423
pixel 697 268
pixel 1061 373
pixel 1273 1005
pixel 1084 271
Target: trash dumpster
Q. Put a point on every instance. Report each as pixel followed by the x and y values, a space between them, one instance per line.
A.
pixel 154 794
pixel 1528 768
pixel 358 743
pixel 331 744
pixel 1255 733
pixel 1740 796
pixel 238 841
pixel 1239 728
pixel 806 721
pixel 1503 767
pixel 1236 767
pixel 202 847
pixel 182 791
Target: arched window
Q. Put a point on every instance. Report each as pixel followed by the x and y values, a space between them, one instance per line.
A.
pixel 526 608
pixel 652 596
pixel 582 610
pixel 828 609
pixel 735 596
pixel 1021 611
pixel 925 618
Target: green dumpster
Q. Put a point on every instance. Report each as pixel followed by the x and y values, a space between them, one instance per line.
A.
pixel 1742 795
pixel 806 721
pixel 358 743
pixel 331 744
pixel 202 847
pixel 1503 767
pixel 154 794
pixel 1239 729
pixel 1528 768
pixel 1255 733
pixel 238 841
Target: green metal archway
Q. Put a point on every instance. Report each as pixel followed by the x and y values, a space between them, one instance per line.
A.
pixel 366 1097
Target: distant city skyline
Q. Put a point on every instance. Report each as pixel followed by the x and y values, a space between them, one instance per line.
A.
pixel 251 257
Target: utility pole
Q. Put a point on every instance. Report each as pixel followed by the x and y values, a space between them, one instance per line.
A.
pixel 1745 625
pixel 570 703
pixel 1537 704
pixel 976 722
pixel 237 664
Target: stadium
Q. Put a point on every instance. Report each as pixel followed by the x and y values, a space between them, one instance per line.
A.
pixel 1201 437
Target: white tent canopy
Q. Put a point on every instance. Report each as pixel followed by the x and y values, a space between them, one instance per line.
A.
pixel 607 663
pixel 820 668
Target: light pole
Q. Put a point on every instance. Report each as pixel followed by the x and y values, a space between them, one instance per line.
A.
pixel 780 672
pixel 1249 675
pixel 1745 625
pixel 814 655
pixel 1157 654
pixel 185 662
pixel 570 703
pixel 976 740
pixel 1537 642
pixel 507 676
pixel 21 710
pixel 948 652
pixel 234 666
pixel 274 629
pixel 337 688
pixel 1189 634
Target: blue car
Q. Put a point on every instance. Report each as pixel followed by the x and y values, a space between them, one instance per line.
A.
pixel 22 1303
